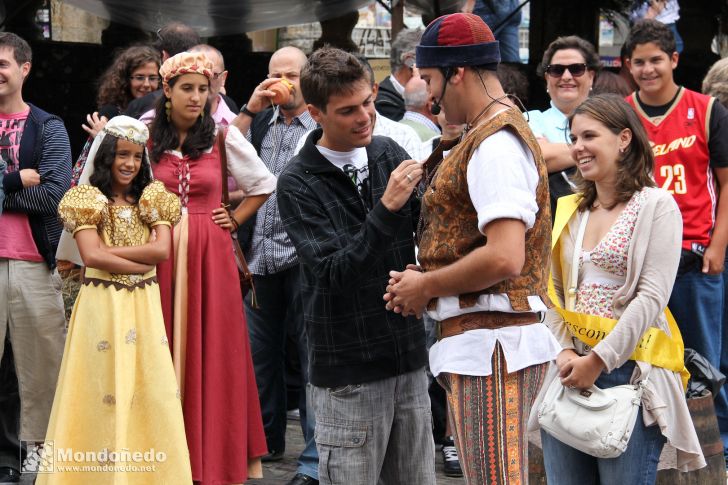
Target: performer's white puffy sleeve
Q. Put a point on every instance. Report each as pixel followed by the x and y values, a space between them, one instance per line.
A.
pixel 246 167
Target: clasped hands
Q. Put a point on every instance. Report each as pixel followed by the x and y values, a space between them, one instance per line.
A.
pixel 578 371
pixel 407 291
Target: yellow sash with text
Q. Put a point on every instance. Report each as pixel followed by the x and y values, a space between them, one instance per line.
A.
pixel 655 347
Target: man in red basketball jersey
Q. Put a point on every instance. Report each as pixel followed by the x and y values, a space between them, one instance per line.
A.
pixel 689 136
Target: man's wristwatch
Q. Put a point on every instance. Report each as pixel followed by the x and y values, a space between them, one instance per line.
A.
pixel 244 110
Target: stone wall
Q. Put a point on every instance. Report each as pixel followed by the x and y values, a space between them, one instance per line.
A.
pixel 71 24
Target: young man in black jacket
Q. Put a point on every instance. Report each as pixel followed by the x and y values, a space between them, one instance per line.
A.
pixel 347 202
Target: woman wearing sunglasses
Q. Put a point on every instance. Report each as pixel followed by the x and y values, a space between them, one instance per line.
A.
pixel 569 66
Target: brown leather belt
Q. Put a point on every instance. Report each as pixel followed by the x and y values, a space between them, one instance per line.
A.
pixel 489 320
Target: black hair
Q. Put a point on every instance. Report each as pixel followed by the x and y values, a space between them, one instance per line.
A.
pixel 650 30
pixel 102 177
pixel 176 37
pixel 164 135
pixel 513 81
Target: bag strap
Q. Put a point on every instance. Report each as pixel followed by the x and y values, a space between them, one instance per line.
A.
pixel 575 275
pixel 576 254
pixel 223 167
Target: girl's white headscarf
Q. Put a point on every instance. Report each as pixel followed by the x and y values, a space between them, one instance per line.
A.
pixel 123 127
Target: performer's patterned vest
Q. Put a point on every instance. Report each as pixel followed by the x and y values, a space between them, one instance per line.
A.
pixel 449 227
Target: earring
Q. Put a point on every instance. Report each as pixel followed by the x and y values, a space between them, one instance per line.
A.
pixel 168 109
pixel 622 149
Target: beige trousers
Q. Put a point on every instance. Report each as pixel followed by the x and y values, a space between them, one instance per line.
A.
pixel 31 313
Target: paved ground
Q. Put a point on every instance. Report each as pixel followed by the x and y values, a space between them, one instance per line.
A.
pixel 279 473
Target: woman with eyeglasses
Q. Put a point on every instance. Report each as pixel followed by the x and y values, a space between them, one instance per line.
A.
pixel 569 67
pixel 133 73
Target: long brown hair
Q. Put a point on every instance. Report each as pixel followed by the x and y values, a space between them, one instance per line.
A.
pixel 114 83
pixel 635 166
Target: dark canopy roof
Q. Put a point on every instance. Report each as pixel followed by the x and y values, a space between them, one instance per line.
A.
pixel 218 17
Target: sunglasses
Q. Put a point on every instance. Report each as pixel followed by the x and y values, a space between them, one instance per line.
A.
pixel 557 70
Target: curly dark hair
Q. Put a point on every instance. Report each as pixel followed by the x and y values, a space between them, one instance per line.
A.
pixel 635 166
pixel 591 58
pixel 102 177
pixel 164 135
pixel 650 30
pixel 114 83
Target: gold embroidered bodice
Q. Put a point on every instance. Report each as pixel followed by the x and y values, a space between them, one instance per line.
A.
pixel 86 207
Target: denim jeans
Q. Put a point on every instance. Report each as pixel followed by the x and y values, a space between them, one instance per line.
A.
pixel 723 419
pixel 279 312
pixel 493 12
pixel 375 432
pixel 636 466
pixel 679 44
pixel 698 306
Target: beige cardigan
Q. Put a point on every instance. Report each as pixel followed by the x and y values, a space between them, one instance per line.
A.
pixel 652 260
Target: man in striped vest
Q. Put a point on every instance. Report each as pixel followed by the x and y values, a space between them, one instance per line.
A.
pixel 34 145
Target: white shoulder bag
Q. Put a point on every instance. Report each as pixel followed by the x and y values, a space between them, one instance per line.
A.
pixel 598 422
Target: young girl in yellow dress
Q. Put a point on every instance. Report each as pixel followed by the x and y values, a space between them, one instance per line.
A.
pixel 117 417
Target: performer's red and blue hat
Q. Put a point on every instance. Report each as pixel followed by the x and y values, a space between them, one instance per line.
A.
pixel 459 39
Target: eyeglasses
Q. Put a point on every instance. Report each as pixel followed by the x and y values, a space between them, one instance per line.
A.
pixel 141 78
pixel 557 70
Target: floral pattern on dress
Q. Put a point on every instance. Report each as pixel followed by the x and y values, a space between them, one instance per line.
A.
pixel 595 299
pixel 610 255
